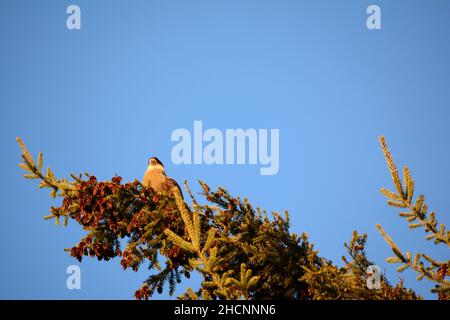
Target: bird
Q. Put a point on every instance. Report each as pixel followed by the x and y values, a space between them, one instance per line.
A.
pixel 155 177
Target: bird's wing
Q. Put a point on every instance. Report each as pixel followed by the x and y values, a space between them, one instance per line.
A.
pixel 172 183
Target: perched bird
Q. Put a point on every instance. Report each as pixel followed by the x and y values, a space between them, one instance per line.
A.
pixel 155 177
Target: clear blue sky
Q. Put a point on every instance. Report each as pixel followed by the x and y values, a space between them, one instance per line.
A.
pixel 104 98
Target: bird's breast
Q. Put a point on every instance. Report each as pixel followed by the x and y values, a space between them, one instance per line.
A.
pixel 155 179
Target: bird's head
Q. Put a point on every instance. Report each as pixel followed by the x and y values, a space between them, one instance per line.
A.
pixel 155 164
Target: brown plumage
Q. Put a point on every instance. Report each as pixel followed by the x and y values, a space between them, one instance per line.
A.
pixel 155 177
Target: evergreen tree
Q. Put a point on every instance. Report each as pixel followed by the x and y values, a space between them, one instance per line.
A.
pixel 240 251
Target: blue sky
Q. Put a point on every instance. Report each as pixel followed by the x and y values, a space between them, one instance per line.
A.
pixel 104 98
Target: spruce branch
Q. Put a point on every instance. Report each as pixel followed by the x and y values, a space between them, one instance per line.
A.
pixel 48 180
pixel 418 210
pixel 416 264
pixel 417 216
pixel 216 284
